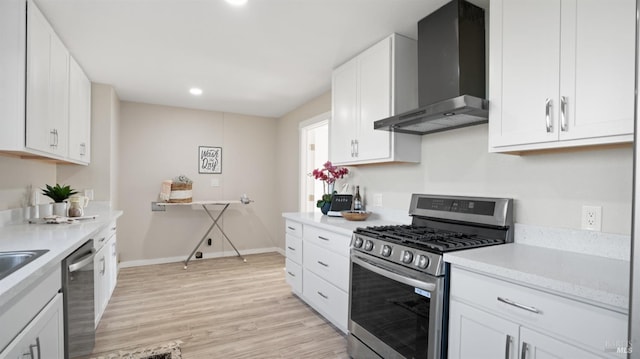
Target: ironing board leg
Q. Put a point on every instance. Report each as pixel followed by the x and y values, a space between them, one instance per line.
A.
pixel 206 234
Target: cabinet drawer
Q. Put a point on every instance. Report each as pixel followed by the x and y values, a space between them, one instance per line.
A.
pixel 294 248
pixel 328 265
pixel 333 241
pixel 330 301
pixel 293 228
pixel 573 320
pixel 103 235
pixel 294 276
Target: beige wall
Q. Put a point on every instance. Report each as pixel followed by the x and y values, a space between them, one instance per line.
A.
pixel 158 143
pixel 99 175
pixel 17 174
pixel 549 188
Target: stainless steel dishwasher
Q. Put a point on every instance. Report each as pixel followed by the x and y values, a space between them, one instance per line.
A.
pixel 78 297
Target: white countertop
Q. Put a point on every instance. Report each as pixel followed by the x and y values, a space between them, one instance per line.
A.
pixel 60 239
pixel 588 278
pixel 339 224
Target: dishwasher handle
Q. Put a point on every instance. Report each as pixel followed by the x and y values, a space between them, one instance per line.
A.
pixel 80 263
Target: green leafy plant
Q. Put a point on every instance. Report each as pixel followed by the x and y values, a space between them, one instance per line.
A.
pixel 58 193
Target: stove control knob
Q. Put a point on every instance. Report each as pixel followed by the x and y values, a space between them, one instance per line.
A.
pixel 368 245
pixel 423 261
pixel 386 250
pixel 407 257
pixel 357 242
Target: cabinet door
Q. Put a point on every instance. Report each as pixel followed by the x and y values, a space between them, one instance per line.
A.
pixel 59 95
pixel 111 264
pixel 47 87
pixel 79 113
pixel 597 52
pixel 344 113
pixel 525 71
pixel 40 133
pixel 374 67
pixel 43 337
pixel 534 345
pixel 476 334
pixel 100 283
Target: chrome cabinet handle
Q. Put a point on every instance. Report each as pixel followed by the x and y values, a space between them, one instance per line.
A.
pixel 291 228
pixel 323 295
pixel 507 347
pixel 323 264
pixel 323 238
pixel 547 113
pixel 518 305
pixel 563 113
pixel 83 149
pixel 104 266
pixel 291 248
pixel 357 148
pixel 523 354
pixel 52 138
pixel 352 148
pixel 36 346
pixel 291 274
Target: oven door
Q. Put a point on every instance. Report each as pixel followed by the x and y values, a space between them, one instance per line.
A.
pixel 394 311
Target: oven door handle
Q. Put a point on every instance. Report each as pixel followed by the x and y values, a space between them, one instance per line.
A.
pixel 391 273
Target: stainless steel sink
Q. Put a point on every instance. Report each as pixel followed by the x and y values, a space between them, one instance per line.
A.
pixel 14 260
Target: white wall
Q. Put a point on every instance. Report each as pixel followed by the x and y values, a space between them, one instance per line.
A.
pixel 549 187
pixel 158 143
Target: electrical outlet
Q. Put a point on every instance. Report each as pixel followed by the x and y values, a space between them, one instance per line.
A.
pixel 377 200
pixel 592 218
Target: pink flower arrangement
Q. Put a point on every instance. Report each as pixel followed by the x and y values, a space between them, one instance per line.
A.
pixel 329 173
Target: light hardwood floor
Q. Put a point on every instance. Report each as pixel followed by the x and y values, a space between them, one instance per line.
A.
pixel 219 308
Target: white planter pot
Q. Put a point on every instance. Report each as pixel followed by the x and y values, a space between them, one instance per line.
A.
pixel 60 209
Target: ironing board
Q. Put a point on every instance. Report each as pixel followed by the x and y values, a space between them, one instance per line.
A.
pixel 204 204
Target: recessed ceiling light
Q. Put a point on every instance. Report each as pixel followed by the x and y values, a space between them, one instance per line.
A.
pixel 237 2
pixel 195 91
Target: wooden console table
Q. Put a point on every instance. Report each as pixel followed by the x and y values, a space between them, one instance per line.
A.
pixel 204 204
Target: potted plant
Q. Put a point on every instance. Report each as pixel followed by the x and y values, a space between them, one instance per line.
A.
pixel 328 174
pixel 59 194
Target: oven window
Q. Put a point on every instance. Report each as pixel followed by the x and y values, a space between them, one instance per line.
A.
pixel 395 313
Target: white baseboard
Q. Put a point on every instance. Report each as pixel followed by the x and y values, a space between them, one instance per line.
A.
pixel 146 262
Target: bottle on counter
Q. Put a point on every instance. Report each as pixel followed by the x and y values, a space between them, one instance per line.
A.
pixel 357 200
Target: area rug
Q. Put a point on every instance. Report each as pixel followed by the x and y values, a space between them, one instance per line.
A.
pixel 169 350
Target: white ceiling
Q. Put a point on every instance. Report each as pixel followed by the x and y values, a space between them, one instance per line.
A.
pixel 265 58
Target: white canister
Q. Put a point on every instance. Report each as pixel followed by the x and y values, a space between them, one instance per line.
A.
pixel 60 209
pixel 45 210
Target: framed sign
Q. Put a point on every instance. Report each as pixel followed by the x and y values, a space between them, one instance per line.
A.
pixel 209 159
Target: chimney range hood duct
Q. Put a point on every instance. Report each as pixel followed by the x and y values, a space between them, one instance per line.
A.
pixel 451 73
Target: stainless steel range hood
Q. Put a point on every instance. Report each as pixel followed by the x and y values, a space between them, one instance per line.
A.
pixel 451 73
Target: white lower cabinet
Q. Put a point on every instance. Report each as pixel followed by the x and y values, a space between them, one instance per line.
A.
pixel 491 318
pixel 43 337
pixel 105 269
pixel 34 324
pixel 317 269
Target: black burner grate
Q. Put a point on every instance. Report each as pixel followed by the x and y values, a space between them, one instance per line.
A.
pixel 427 238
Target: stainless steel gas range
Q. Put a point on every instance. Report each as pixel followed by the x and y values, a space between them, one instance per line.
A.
pixel 398 298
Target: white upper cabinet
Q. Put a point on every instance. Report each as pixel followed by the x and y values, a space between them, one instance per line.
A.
pixel 560 73
pixel 44 105
pixel 47 87
pixel 378 83
pixel 79 113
